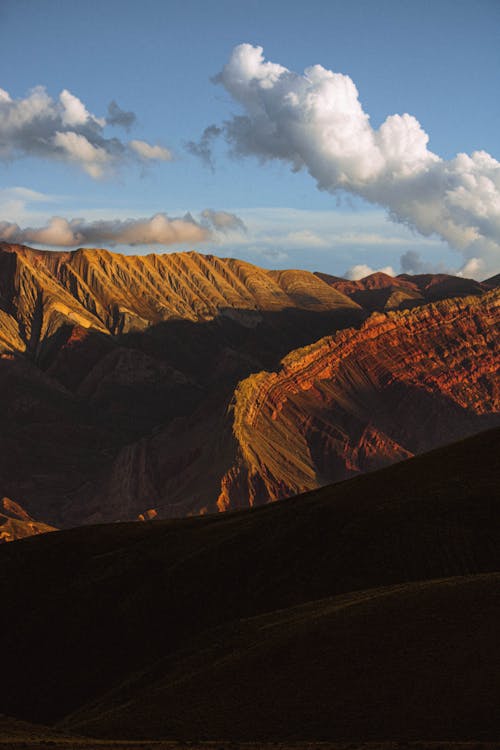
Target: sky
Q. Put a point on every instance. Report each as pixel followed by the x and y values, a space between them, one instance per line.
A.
pixel 340 136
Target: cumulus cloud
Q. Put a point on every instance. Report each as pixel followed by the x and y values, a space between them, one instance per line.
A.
pixel 223 221
pixel 63 129
pixel 155 230
pixel 361 270
pixel 315 121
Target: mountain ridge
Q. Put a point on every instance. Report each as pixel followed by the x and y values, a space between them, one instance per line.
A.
pixel 117 293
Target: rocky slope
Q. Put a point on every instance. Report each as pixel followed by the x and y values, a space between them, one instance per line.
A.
pixel 124 391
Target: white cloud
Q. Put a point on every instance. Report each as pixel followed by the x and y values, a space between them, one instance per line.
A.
pixel 315 121
pixel 14 202
pixel 361 270
pixel 306 238
pixel 77 148
pixel 74 111
pixel 154 230
pixel 60 232
pixel 65 130
pixel 146 151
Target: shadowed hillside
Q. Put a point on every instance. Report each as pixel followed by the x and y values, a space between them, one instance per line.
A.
pixel 393 662
pixel 161 613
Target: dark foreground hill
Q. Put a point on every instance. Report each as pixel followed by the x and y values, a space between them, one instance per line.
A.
pixel 365 610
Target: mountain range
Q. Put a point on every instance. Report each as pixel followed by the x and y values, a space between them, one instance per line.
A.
pixel 160 386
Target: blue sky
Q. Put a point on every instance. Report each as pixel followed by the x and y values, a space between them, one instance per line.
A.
pixel 438 61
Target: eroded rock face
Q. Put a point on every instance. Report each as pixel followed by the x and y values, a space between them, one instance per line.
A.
pixel 403 383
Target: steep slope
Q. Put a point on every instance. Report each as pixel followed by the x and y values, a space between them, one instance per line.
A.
pixel 151 611
pixel 493 282
pixel 402 383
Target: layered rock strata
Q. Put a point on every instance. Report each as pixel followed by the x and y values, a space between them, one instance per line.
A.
pixel 403 383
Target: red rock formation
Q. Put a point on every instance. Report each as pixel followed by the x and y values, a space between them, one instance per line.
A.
pixel 403 383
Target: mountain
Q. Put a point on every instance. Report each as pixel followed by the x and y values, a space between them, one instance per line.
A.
pixel 171 385
pixel 379 291
pixel 45 292
pixel 367 609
